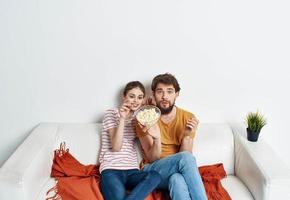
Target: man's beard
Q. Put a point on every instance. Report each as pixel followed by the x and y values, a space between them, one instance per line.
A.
pixel 165 111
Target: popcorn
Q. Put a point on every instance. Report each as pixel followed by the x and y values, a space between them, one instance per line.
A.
pixel 148 115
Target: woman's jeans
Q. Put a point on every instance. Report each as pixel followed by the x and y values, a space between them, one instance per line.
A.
pixel 116 183
pixel 180 176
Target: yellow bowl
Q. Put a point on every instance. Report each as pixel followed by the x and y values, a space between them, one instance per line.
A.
pixel 148 115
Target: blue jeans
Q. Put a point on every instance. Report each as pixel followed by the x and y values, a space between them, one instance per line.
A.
pixel 180 176
pixel 115 183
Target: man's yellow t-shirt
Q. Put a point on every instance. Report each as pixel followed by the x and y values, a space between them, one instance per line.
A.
pixel 171 134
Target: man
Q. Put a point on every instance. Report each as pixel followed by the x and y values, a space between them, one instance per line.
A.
pixel 167 146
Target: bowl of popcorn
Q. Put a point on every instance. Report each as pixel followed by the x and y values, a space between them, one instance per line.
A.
pixel 148 115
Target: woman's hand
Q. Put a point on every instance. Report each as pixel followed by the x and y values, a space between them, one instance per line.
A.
pixel 125 110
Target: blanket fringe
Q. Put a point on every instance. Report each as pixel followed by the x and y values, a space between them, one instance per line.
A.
pixel 62 149
pixel 56 195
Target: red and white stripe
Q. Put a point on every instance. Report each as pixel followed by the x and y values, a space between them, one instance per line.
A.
pixel 124 159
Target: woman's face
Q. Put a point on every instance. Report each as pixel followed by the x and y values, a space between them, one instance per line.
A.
pixel 134 98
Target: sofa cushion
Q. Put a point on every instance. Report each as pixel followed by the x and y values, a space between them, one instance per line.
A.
pixel 83 141
pixel 214 143
pixel 236 189
pixel 50 182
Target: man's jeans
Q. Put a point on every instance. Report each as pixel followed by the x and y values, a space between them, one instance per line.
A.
pixel 115 183
pixel 180 176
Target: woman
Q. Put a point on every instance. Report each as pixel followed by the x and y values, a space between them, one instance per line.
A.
pixel 119 165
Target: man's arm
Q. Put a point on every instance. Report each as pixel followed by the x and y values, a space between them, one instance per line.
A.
pixel 151 147
pixel 151 142
pixel 187 144
pixel 189 133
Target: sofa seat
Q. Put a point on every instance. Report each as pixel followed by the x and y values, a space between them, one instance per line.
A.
pixel 253 170
pixel 234 186
pixel 236 189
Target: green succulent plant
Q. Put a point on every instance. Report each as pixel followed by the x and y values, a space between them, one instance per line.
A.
pixel 255 121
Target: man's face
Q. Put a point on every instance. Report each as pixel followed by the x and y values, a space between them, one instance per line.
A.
pixel 165 96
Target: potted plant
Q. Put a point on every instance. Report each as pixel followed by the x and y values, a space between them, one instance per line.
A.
pixel 255 122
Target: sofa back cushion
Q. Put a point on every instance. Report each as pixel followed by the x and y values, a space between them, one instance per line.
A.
pixel 213 143
pixel 83 141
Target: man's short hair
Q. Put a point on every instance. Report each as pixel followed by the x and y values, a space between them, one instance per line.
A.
pixel 167 79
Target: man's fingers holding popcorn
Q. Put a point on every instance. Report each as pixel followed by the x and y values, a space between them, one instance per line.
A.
pixel 193 122
pixel 191 125
pixel 150 101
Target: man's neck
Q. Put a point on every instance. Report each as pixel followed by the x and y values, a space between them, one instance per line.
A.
pixel 169 117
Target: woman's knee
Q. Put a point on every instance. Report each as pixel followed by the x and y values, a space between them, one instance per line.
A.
pixel 112 186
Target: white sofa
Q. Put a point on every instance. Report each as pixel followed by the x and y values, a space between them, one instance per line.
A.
pixel 254 170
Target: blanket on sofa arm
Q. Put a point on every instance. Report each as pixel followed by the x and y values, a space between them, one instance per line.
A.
pixel 76 181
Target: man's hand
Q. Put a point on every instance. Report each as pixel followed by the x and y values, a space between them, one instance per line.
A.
pixel 190 125
pixel 187 141
pixel 150 101
pixel 151 142
pixel 153 131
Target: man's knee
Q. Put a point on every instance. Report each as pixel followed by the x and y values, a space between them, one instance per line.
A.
pixel 177 187
pixel 187 157
pixel 176 179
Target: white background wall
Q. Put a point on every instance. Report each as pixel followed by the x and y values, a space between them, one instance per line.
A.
pixel 66 60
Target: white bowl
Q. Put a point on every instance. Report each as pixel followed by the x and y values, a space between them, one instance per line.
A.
pixel 148 115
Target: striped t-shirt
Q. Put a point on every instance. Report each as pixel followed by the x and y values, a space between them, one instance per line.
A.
pixel 124 159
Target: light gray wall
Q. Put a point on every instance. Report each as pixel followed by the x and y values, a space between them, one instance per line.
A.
pixel 66 60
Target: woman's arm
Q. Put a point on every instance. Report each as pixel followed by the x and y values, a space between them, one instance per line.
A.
pixel 116 135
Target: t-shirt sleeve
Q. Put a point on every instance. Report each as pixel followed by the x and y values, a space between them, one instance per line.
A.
pixel 110 119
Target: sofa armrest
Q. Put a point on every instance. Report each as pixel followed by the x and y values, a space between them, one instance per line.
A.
pixel 27 170
pixel 258 166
